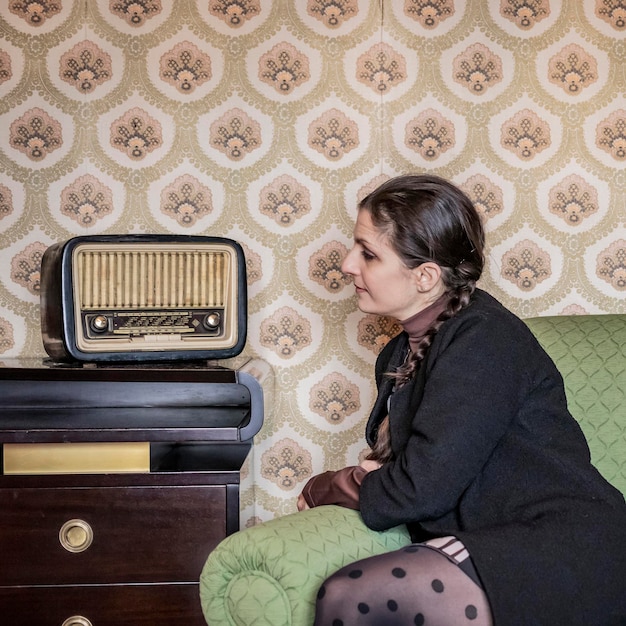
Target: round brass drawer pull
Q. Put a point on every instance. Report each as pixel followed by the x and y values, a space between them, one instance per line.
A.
pixel 76 535
pixel 77 620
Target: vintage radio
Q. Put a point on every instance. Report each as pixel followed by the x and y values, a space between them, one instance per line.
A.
pixel 143 298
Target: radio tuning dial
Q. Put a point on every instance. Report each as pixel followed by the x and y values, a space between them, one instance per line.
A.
pixel 99 323
pixel 212 320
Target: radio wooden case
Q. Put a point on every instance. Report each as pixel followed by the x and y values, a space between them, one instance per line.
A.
pixel 143 298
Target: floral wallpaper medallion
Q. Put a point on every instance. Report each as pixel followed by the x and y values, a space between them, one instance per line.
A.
pixel 611 135
pixel 185 67
pixel 136 134
pixel 135 12
pixel 525 135
pixel 26 266
pixel 5 67
pixel 285 200
pixel 381 68
pixel 285 332
pixel 487 197
pixel 284 68
pixel 374 332
pixel 334 398
pixel 528 19
pixel 604 268
pixel 526 265
pixel 286 464
pixel 36 134
pixel 7 340
pixel 87 200
pixel 613 12
pixel 6 201
pixel 12 202
pixel 611 265
pixel 325 267
pixel 362 191
pixel 573 199
pixel 429 13
pixel 430 135
pixel 186 200
pixel 333 135
pixel 85 66
pixel 236 134
pixel 254 266
pixel 477 69
pixel 35 12
pixel 525 13
pixel 235 13
pixel 332 13
pixel 573 69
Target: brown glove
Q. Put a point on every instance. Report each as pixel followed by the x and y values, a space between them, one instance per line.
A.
pixel 340 487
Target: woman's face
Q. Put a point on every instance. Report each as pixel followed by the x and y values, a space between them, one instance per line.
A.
pixel 384 284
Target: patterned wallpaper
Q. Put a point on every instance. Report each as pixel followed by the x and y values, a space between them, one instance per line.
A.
pixel 266 120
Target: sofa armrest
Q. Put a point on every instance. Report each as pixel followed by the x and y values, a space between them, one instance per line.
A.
pixel 269 575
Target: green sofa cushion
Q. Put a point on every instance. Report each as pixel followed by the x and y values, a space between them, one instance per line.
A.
pixel 268 575
pixel 590 353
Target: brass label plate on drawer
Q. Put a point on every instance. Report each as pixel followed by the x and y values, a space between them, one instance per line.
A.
pixel 76 458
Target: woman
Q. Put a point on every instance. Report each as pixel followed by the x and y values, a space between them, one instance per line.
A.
pixel 473 447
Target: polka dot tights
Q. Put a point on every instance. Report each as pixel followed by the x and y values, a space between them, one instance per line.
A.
pixel 414 586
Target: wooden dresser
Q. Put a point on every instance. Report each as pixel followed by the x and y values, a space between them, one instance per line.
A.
pixel 117 482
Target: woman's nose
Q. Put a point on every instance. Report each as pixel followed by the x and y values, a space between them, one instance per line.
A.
pixel 347 265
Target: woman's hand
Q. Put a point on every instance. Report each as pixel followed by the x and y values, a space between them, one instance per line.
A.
pixel 370 465
pixel 301 503
pixel 340 487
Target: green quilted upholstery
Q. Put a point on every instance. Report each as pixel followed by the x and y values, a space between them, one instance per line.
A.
pixel 590 352
pixel 268 575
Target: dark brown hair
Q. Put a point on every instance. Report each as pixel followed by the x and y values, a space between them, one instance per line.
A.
pixel 428 219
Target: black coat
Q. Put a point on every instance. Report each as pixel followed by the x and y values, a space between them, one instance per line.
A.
pixel 487 451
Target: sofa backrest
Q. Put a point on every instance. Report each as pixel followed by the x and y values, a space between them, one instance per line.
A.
pixel 590 353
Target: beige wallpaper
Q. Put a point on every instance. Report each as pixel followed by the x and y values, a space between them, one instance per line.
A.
pixel 266 120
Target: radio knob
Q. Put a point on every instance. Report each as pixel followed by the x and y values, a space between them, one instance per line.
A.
pixel 99 323
pixel 212 320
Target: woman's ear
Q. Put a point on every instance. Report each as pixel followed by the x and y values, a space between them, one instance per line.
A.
pixel 428 277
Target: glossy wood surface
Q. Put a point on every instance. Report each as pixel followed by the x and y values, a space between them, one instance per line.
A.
pixel 149 533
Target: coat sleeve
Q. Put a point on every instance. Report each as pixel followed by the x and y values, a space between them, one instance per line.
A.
pixel 473 385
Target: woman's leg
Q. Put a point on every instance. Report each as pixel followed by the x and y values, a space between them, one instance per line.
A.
pixel 419 584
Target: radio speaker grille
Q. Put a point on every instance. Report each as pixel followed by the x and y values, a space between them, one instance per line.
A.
pixel 151 280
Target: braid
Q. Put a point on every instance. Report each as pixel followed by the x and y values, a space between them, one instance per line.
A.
pixel 381 450
pixel 458 300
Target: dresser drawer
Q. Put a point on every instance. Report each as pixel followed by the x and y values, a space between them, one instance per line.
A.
pixel 133 605
pixel 100 535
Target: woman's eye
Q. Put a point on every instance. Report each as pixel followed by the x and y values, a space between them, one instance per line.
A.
pixel 367 255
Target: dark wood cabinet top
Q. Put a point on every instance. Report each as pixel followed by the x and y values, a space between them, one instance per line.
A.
pixel 179 402
pixel 174 371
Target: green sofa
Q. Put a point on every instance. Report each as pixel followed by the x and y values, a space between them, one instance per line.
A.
pixel 268 575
